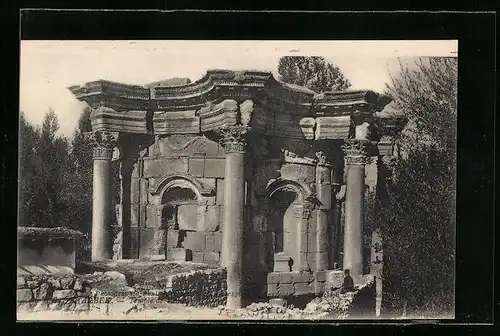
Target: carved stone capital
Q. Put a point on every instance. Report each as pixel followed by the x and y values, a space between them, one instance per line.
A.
pixel 104 142
pixel 304 210
pixel 322 161
pixel 233 138
pixel 356 151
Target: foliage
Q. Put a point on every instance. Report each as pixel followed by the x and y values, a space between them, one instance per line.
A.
pixel 312 72
pixel 55 232
pixel 418 215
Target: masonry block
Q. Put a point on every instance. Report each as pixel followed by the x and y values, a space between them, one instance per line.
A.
pixel 134 215
pixel 209 222
pixel 180 254
pixel 220 192
pixel 218 241
pixel 334 279
pixel 210 243
pixel 302 277
pixel 286 289
pixel 198 256
pixel 273 278
pixel 278 302
pixel 272 290
pixel 172 238
pixel 195 241
pixel 135 190
pixel 160 167
pixel 302 288
pixel 214 168
pixel 319 287
pixel 285 278
pixel 281 266
pixel 187 217
pixel 320 276
pixel 151 216
pixel 211 257
pixel 311 243
pixel 196 166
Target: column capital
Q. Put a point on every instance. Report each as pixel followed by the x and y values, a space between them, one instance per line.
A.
pixel 103 142
pixel 233 138
pixel 356 151
pixel 322 159
pixel 304 210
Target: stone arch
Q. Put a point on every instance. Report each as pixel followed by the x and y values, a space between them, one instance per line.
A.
pixel 183 181
pixel 286 200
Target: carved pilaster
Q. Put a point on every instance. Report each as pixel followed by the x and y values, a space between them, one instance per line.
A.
pixel 103 142
pixel 356 151
pixel 233 138
pixel 304 210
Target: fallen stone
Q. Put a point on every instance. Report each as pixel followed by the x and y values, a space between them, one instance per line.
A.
pixel 44 292
pixel 116 277
pixel 24 295
pixel 78 285
pixel 32 284
pixel 278 302
pixel 67 282
pixel 21 282
pixel 56 284
pixel 55 305
pixel 64 294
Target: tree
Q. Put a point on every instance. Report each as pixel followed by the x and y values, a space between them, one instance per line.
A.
pixel 418 217
pixel 29 137
pixel 312 72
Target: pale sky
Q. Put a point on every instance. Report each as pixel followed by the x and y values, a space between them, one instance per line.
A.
pixel 49 67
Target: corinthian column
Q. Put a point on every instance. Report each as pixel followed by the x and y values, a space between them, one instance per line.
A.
pixel 104 142
pixel 356 158
pixel 233 141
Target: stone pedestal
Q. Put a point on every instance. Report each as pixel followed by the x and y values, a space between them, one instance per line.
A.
pixel 234 205
pixel 356 158
pixel 104 143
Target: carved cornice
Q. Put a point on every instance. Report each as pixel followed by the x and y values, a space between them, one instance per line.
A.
pixel 104 142
pixel 356 151
pixel 233 138
pixel 291 157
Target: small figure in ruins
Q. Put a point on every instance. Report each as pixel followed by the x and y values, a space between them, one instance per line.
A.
pixel 348 285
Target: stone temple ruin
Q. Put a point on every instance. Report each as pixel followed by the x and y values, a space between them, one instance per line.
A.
pixel 237 169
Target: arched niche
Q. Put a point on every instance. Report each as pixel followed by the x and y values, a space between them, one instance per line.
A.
pixel 286 201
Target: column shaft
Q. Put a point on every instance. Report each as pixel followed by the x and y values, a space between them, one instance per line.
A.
pixel 353 228
pixel 232 235
pixel 101 239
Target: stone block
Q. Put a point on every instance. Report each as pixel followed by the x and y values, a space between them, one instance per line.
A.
pixel 187 217
pixel 67 282
pixel 302 243
pixel 43 292
pixel 198 256
pixel 285 289
pixel 286 278
pixel 210 220
pixel 21 282
pixel 324 194
pixel 196 166
pixel 334 279
pixel 211 257
pixel 272 290
pixel 311 243
pixel 151 216
pixel 195 241
pixel 56 283
pixel 210 242
pixel 214 167
pixel 32 284
pixel 320 276
pixel 278 302
pixel 134 215
pixel 180 254
pixel 160 167
pixel 172 238
pixel 24 295
pixel 302 288
pixel 273 278
pixel 281 257
pixel 281 266
pixel 147 241
pixel 218 241
pixel 302 277
pixel 219 198
pixel 63 294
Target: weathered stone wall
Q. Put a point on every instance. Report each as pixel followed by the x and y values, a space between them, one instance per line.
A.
pixel 52 292
pixel 284 284
pixel 197 288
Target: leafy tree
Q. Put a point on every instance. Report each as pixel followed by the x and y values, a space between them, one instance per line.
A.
pixel 417 218
pixel 29 137
pixel 312 72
